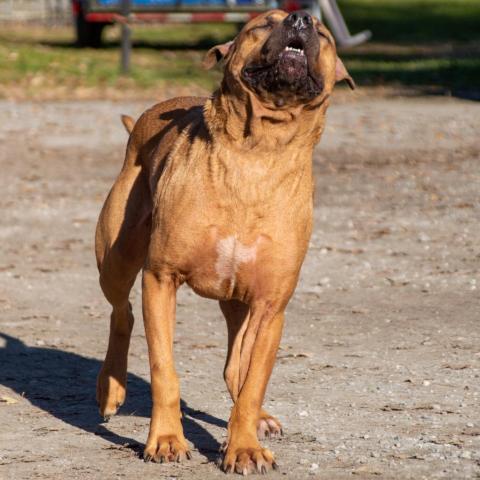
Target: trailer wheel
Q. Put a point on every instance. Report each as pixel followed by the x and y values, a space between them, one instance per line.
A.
pixel 89 34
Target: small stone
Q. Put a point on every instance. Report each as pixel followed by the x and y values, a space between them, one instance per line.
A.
pixel 423 237
pixel 426 383
pixel 314 466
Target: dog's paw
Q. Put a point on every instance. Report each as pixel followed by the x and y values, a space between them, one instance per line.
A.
pixel 110 394
pixel 268 426
pixel 248 460
pixel 166 448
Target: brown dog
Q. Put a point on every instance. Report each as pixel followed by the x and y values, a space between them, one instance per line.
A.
pixel 217 192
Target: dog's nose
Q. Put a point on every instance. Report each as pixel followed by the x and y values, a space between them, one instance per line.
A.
pixel 298 20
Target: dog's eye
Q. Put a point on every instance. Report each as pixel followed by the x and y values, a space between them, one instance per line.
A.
pixel 323 35
pixel 268 24
pixel 260 27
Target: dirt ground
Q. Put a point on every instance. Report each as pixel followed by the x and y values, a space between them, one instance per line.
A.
pixel 378 374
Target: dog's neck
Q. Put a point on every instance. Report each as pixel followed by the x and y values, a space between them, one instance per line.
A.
pixel 247 124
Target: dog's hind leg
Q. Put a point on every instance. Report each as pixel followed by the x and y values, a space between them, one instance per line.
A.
pixel 243 452
pixel 121 243
pixel 237 315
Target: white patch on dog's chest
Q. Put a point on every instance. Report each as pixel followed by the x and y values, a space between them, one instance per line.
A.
pixel 231 254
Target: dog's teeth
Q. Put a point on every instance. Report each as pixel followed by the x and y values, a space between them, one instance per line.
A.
pixel 297 50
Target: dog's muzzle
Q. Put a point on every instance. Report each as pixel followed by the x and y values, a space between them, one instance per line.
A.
pixel 286 60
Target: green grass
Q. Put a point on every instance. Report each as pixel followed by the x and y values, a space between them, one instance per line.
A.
pixel 420 43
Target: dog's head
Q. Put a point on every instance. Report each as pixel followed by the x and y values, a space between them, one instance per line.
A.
pixel 284 59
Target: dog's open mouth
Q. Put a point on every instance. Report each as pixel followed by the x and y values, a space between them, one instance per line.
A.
pixel 285 70
pixel 292 62
pixel 294 48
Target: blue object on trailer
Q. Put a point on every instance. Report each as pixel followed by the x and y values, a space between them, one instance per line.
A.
pixel 153 3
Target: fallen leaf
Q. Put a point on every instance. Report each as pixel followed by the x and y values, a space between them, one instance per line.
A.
pixel 457 367
pixel 367 469
pixel 8 400
pixel 394 407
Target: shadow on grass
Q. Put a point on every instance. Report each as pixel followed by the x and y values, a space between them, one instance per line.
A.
pixel 433 45
pixel 453 75
pixel 414 21
pixel 202 44
pixel 63 384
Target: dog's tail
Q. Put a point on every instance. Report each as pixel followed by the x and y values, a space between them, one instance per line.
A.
pixel 128 123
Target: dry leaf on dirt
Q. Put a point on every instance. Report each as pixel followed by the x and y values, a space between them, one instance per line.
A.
pixel 8 400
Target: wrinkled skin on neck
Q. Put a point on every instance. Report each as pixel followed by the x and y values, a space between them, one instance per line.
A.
pixel 250 123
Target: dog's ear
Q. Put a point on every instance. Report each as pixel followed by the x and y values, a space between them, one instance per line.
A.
pixel 128 123
pixel 342 74
pixel 216 53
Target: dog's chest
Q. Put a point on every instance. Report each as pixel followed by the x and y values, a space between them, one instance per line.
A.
pixel 228 266
pixel 231 255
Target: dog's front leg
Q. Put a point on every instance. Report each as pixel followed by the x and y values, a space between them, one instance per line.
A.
pixel 243 452
pixel 166 441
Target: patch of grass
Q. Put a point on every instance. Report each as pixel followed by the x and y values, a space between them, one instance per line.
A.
pixel 37 61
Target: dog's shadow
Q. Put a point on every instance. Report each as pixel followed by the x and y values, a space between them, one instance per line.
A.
pixel 63 384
